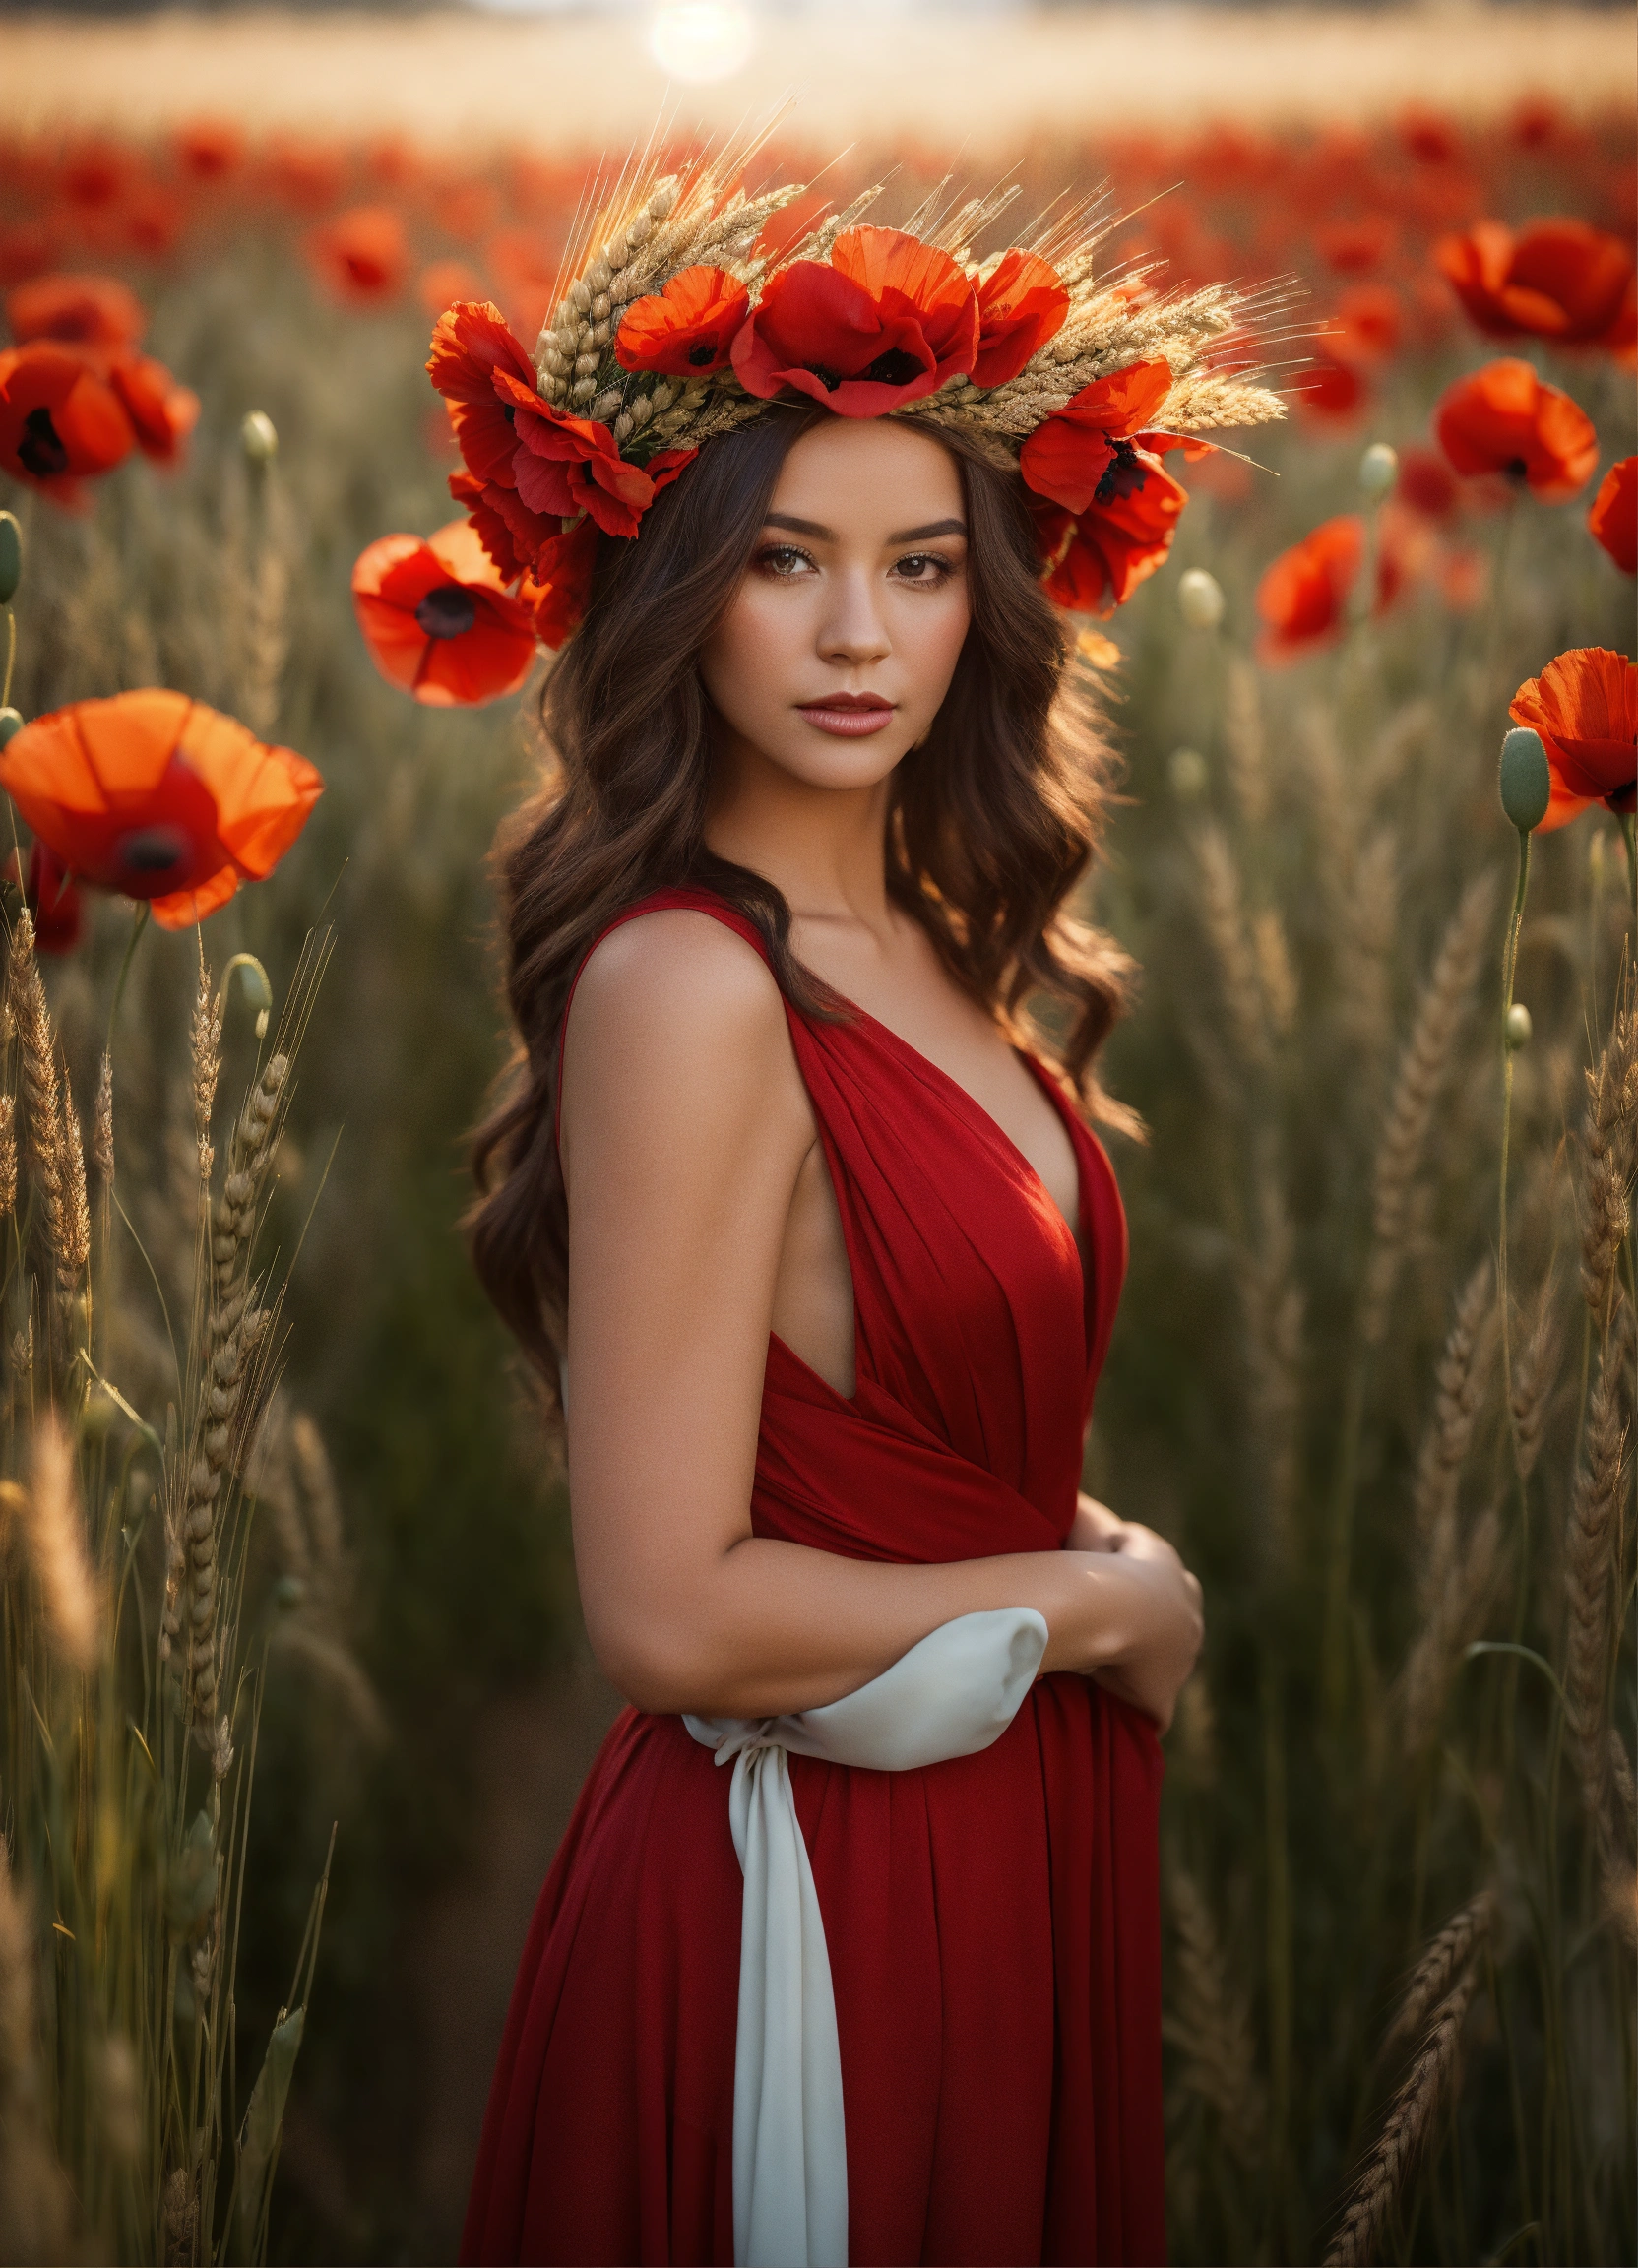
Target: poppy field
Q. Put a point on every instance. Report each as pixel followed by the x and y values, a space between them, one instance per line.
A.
pixel 287 1591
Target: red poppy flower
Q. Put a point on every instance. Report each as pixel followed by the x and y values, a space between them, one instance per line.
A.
pixel 687 329
pixel 51 895
pixel 1357 247
pixel 1505 419
pixel 1097 558
pixel 884 321
pixel 97 312
pixel 156 795
pixel 27 247
pixel 1585 707
pixel 363 254
pixel 1370 325
pixel 437 620
pixel 59 418
pixel 503 523
pixel 1021 306
pixel 524 265
pixel 307 175
pixel 440 283
pixel 472 351
pixel 163 413
pixel 1088 450
pixel 1426 485
pixel 1613 519
pixel 97 173
pixel 209 149
pixel 1560 279
pixel 1303 596
pixel 566 465
pixel 1329 388
pixel 560 583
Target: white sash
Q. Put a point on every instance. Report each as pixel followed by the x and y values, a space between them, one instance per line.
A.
pixel 951 1695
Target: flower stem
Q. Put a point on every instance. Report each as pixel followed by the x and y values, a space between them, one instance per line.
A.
pixel 1510 958
pixel 137 928
pixel 11 658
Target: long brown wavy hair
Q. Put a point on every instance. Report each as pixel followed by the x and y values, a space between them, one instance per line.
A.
pixel 993 821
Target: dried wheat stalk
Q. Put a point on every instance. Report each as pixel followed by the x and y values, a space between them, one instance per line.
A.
pixel 1463 1373
pixel 1242 731
pixel 102 1123
pixel 1448 1951
pixel 1410 2116
pixel 1222 916
pixel 1212 2028
pixel 8 1156
pixel 1427 1062
pixel 37 2205
pixel 55 1530
pixel 1589 1572
pixel 1272 1302
pixel 1610 1137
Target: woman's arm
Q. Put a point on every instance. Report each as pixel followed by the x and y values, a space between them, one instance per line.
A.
pixel 685 1124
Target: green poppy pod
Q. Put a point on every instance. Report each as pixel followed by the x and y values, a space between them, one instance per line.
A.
pixel 1526 781
pixel 11 557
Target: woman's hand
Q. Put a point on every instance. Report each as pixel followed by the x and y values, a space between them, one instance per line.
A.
pixel 1130 1613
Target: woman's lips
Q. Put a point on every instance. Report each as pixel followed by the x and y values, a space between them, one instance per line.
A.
pixel 848 714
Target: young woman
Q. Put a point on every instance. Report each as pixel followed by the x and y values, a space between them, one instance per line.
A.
pixel 795 1199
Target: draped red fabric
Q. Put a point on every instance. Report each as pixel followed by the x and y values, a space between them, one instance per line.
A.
pixel 993 1922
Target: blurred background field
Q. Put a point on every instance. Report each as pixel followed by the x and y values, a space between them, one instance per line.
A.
pixel 293 200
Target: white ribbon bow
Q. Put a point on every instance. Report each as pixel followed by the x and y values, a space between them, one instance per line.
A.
pixel 951 1695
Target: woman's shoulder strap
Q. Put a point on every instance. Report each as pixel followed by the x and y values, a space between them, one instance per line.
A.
pixel 683 896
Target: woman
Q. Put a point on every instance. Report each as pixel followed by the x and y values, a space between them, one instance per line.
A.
pixel 824 1257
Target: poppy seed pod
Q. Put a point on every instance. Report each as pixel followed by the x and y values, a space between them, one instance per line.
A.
pixel 11 723
pixel 259 437
pixel 1378 470
pixel 1200 600
pixel 1189 774
pixel 1518 1027
pixel 11 557
pixel 1525 779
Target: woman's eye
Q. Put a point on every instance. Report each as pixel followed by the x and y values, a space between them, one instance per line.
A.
pixel 930 567
pixel 782 561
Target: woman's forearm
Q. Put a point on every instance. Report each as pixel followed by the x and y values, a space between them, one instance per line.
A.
pixel 768 1627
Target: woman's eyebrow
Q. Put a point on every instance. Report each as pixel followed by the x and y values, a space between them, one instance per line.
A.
pixel 824 534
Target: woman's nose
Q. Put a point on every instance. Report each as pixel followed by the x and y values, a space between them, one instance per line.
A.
pixel 853 628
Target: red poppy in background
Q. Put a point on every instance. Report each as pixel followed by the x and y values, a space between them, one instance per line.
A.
pixel 60 420
pixel 1097 558
pixel 1585 707
pixel 1329 388
pixel 884 321
pixel 306 176
pixel 156 795
pixel 1613 518
pixel 1370 324
pixel 1357 247
pixel 96 174
pixel 97 312
pixel 686 330
pixel 1430 137
pixel 558 586
pixel 1560 279
pixel 51 895
pixel 1303 595
pixel 565 465
pixel 1426 485
pixel 163 413
pixel 363 254
pixel 1504 419
pixel 208 149
pixel 1021 306
pixel 437 620
pixel 443 281
pixel 1088 450
pixel 524 268
pixel 27 247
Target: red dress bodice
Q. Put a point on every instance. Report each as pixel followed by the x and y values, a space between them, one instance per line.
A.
pixel 992 1923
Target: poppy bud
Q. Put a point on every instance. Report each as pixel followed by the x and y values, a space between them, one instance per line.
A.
pixel 1188 770
pixel 1200 600
pixel 1378 470
pixel 11 723
pixel 259 437
pixel 11 557
pixel 1526 780
pixel 1517 1028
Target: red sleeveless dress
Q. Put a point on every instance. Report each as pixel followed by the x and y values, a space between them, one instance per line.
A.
pixel 992 1921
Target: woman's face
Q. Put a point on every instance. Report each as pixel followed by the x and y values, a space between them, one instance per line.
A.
pixel 841 640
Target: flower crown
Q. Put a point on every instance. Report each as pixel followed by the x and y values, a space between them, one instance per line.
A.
pixel 686 324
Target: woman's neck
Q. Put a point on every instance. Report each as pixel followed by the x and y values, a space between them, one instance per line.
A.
pixel 824 849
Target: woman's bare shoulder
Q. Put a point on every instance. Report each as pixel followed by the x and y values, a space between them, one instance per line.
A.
pixel 674 1003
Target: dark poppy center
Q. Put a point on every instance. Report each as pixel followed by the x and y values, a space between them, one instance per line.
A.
pixel 828 378
pixel 447 613
pixel 702 355
pixel 153 850
pixel 1123 475
pixel 1515 469
pixel 509 410
pixel 893 369
pixel 40 451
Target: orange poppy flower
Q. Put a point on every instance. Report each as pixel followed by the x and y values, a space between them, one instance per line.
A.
pixel 1088 450
pixel 1505 419
pixel 687 329
pixel 97 312
pixel 1303 596
pixel 1613 519
pixel 209 149
pixel 885 320
pixel 49 893
pixel 1329 388
pixel 443 281
pixel 559 584
pixel 1370 325
pixel 1585 707
pixel 508 530
pixel 162 413
pixel 1560 279
pixel 437 620
pixel 363 254
pixel 60 420
pixel 566 465
pixel 1357 247
pixel 1097 558
pixel 156 795
pixel 27 247
pixel 1021 306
